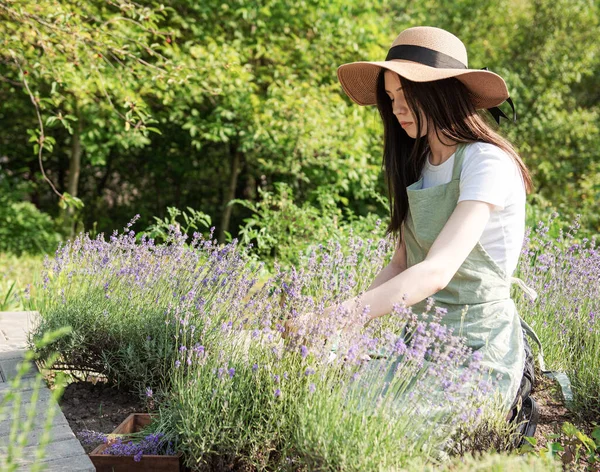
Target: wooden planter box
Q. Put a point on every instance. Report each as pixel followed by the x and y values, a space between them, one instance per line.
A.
pixel 110 463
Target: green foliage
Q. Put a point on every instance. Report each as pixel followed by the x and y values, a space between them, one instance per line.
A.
pixel 572 446
pixel 23 227
pixel 17 277
pixel 26 229
pixel 173 103
pixel 7 301
pixel 282 230
pixel 192 220
pixel 256 84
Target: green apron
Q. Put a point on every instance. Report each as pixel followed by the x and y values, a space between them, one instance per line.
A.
pixel 491 323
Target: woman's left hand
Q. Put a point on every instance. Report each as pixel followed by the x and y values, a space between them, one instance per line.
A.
pixel 292 325
pixel 351 328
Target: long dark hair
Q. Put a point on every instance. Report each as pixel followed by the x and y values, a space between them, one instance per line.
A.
pixel 449 110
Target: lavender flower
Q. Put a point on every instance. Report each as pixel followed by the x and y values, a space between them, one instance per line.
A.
pixel 304 351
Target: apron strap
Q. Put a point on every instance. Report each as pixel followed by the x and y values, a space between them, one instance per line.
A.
pixel 533 335
pixel 560 377
pixel 528 290
pixel 459 154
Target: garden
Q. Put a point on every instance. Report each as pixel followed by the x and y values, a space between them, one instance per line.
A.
pixel 179 180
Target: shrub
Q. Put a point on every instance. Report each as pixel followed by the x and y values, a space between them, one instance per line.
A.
pixel 23 228
pixel 120 297
pixel 279 229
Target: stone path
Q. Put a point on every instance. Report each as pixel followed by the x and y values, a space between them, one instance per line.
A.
pixel 64 451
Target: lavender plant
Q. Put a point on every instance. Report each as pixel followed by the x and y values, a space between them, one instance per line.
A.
pixel 250 397
pixel 192 323
pixel 566 274
pixel 405 404
pixel 123 300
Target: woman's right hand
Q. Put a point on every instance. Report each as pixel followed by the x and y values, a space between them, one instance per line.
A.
pixel 292 325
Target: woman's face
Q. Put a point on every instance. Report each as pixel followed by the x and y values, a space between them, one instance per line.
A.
pixel 407 120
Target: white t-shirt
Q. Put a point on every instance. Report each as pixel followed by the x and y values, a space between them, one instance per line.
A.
pixel 489 174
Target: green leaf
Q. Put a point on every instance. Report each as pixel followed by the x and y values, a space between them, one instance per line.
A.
pixel 586 441
pixel 555 447
pixel 596 436
pixel 71 201
pixel 569 429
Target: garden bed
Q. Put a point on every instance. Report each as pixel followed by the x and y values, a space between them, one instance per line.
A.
pixel 97 407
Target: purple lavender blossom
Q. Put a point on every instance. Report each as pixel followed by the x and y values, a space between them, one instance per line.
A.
pixel 303 351
pixel 198 349
pixel 90 437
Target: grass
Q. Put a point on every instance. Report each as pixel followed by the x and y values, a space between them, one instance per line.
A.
pixel 18 280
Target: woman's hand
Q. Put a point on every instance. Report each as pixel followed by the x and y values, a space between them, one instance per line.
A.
pixel 351 328
pixel 292 325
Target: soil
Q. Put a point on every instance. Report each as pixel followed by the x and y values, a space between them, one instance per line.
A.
pixel 553 412
pixel 97 407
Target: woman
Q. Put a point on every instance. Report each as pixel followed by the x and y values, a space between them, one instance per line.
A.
pixel 457 197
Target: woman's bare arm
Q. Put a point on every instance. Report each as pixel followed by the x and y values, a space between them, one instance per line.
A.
pixel 452 246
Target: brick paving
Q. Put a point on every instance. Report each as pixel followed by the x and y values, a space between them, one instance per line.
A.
pixel 64 452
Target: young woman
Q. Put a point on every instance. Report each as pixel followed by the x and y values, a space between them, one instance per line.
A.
pixel 457 196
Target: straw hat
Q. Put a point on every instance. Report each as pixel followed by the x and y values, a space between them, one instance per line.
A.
pixel 425 54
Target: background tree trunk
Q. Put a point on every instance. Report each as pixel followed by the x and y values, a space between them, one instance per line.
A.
pixel 69 215
pixel 236 160
pixel 74 162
